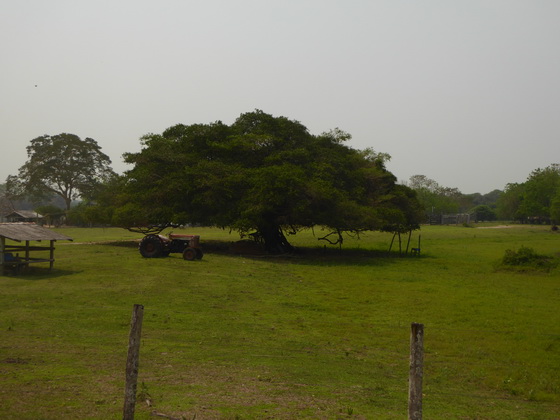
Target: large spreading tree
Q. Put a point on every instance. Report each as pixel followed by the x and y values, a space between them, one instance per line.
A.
pixel 62 165
pixel 263 175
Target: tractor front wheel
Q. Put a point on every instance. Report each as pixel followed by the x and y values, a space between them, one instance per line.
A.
pixel 190 254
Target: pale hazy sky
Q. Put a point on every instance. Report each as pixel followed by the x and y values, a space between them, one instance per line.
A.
pixel 464 92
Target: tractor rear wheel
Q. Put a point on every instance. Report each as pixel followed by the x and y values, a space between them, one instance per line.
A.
pixel 152 246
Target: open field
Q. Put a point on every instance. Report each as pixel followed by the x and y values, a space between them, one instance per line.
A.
pixel 321 334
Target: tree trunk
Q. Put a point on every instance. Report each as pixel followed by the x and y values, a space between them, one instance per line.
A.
pixel 67 202
pixel 274 240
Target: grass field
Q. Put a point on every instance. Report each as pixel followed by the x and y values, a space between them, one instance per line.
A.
pixel 323 334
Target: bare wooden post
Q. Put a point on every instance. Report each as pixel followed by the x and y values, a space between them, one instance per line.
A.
pixel 416 372
pixel 2 257
pixel 408 242
pixel 51 257
pixel 132 362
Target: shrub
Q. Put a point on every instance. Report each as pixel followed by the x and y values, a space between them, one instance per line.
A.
pixel 527 259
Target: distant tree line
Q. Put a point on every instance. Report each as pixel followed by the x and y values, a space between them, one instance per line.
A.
pixel 537 200
pixel 438 200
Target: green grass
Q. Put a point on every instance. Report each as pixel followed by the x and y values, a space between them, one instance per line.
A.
pixel 322 334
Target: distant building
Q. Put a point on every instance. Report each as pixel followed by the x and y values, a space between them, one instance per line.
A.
pixel 450 219
pixel 23 216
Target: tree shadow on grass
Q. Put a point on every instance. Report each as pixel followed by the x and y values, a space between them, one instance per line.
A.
pixel 305 255
pixel 121 244
pixel 313 255
pixel 40 273
pixel 349 257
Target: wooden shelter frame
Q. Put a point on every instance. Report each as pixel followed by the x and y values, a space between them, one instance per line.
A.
pixel 25 232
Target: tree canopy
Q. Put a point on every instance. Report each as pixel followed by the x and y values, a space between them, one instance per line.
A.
pixel 483 213
pixel 62 164
pixel 435 198
pixel 263 175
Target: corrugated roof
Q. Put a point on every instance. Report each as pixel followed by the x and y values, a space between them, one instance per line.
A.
pixel 30 232
pixel 28 214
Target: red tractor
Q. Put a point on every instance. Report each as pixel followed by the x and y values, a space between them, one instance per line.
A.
pixel 155 246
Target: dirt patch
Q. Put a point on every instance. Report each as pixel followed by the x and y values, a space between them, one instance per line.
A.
pixel 16 360
pixel 495 227
pixel 523 226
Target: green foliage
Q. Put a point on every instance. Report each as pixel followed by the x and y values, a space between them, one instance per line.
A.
pixel 265 174
pixel 535 200
pixel 53 214
pixel 483 213
pixel 526 258
pixel 435 198
pixel 508 205
pixel 555 207
pixel 489 199
pixel 63 165
pixel 540 189
pixel 88 215
pixel 438 200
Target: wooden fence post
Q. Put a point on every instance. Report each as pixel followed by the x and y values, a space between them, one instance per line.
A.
pixel 416 372
pixel 2 253
pixel 132 362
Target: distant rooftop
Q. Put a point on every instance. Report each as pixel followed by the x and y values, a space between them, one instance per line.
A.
pixel 30 232
pixel 27 214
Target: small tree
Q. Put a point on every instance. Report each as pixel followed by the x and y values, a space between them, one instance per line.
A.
pixel 64 165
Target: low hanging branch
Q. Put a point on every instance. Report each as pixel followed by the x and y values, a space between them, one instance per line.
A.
pixel 151 229
pixel 339 238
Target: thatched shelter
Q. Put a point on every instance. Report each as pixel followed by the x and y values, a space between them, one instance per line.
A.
pixel 18 256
